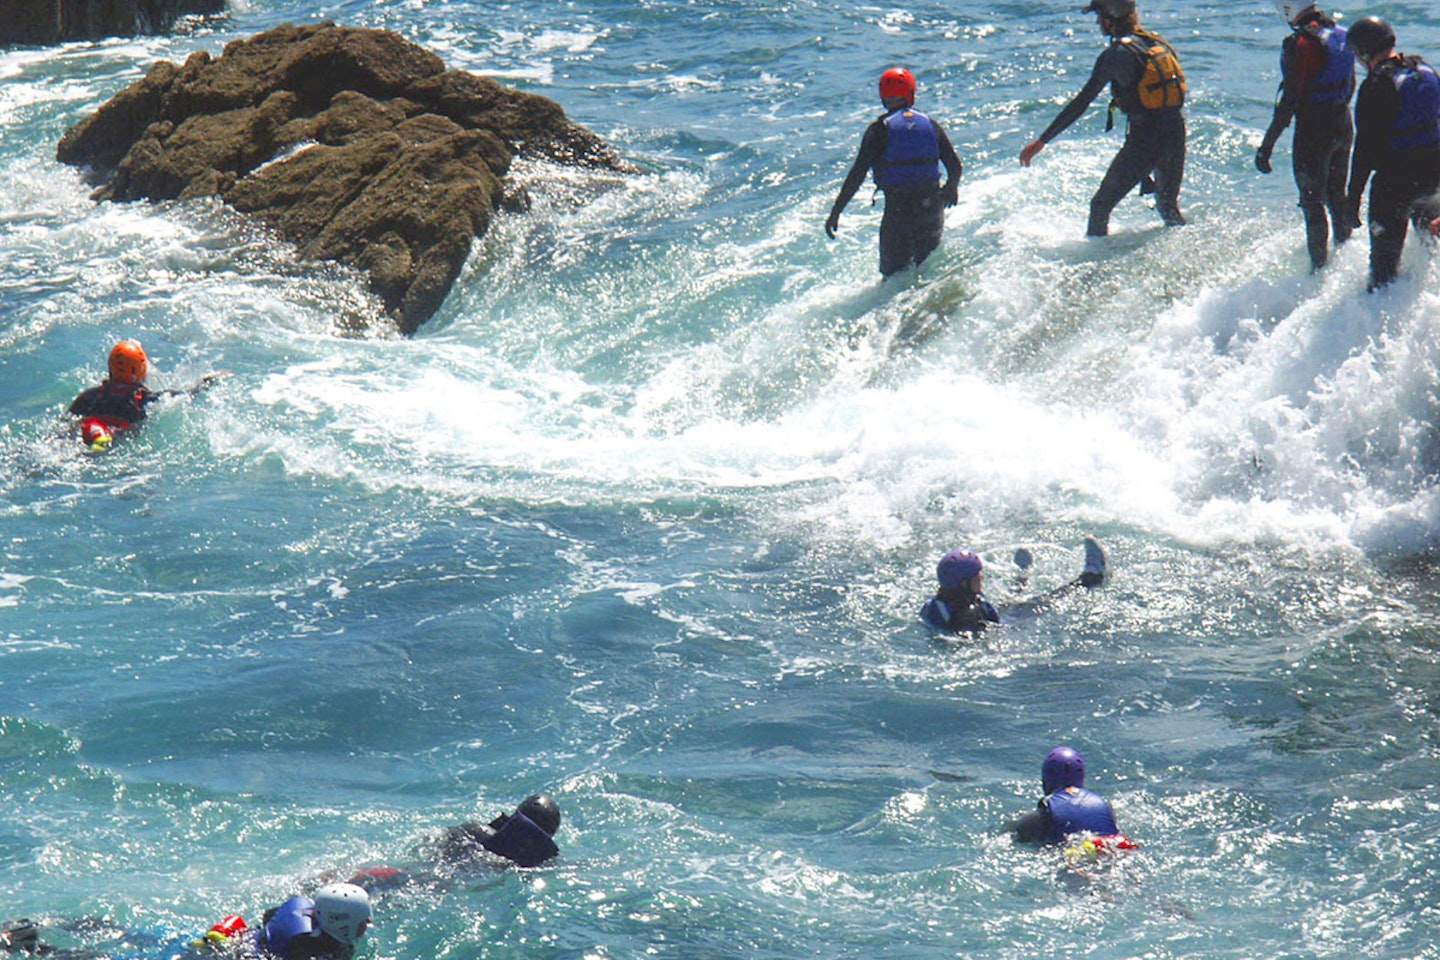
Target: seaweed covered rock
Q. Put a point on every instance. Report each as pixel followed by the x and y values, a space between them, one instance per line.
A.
pixel 355 145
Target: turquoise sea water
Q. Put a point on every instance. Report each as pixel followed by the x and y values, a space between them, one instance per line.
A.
pixel 644 518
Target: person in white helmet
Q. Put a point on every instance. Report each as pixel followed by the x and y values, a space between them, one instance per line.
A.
pixel 328 926
pixel 1317 81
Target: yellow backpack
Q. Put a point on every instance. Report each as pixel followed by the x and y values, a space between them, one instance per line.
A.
pixel 1163 82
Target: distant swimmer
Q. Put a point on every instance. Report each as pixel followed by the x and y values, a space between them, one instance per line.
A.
pixel 1148 86
pixel 118 404
pixel 1397 139
pixel 960 606
pixel 906 150
pixel 329 926
pixel 1069 814
pixel 1317 80
pixel 22 936
pixel 525 837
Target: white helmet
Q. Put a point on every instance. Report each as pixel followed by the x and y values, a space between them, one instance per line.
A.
pixel 342 910
pixel 1291 10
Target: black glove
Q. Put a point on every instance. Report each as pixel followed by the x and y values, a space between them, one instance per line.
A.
pixel 950 194
pixel 832 224
pixel 1262 160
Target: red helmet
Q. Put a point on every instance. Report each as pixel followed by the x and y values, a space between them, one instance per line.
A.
pixel 128 362
pixel 898 83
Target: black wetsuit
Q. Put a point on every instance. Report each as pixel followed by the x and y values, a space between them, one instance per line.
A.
pixel 1405 180
pixel 1154 139
pixel 914 219
pixel 116 401
pixel 1324 132
pixel 959 610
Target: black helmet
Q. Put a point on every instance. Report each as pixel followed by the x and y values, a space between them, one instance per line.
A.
pixel 1371 36
pixel 1114 9
pixel 542 811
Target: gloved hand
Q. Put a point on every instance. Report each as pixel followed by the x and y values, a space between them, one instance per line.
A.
pixel 1262 160
pixel 832 224
pixel 951 194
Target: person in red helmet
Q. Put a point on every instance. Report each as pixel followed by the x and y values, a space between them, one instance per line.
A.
pixel 906 150
pixel 118 404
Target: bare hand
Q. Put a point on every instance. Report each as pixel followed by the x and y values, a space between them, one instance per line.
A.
pixel 1030 152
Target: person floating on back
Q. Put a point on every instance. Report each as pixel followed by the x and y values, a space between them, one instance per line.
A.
pixel 1317 80
pixel 1149 87
pixel 329 926
pixel 960 606
pixel 1397 139
pixel 1069 814
pixel 906 150
pixel 118 404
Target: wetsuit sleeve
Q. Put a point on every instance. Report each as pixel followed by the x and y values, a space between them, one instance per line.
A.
pixel 872 148
pixel 1377 107
pixel 84 404
pixel 1076 108
pixel 948 157
pixel 1300 61
pixel 1033 827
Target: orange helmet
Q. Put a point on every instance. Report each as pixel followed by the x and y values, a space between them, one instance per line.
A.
pixel 898 83
pixel 128 362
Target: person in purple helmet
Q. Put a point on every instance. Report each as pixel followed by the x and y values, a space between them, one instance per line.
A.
pixel 960 606
pixel 1068 809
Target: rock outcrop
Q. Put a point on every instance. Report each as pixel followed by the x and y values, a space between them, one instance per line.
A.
pixel 43 22
pixel 355 145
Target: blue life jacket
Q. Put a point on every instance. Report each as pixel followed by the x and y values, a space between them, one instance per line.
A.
pixel 293 918
pixel 1335 82
pixel 912 157
pixel 1077 810
pixel 1419 122
pixel 522 841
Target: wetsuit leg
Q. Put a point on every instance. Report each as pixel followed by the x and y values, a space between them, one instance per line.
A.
pixel 1170 169
pixel 1321 161
pixel 909 230
pixel 895 242
pixel 1408 182
pixel 929 226
pixel 1131 164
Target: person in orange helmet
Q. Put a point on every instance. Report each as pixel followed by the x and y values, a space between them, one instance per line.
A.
pixel 907 151
pixel 118 403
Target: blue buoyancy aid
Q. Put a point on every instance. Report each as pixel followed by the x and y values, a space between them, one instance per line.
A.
pixel 1077 810
pixel 1335 82
pixel 912 155
pixel 293 918
pixel 522 840
pixel 1418 124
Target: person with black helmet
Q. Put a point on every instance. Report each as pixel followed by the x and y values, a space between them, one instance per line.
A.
pixel 1397 140
pixel 525 837
pixel 906 150
pixel 1317 81
pixel 1147 84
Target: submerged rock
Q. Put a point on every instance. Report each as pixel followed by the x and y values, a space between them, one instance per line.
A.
pixel 356 145
pixel 56 21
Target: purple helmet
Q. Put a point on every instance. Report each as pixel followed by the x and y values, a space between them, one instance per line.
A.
pixel 956 567
pixel 1063 767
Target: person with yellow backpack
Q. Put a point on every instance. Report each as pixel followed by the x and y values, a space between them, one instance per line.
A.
pixel 1148 86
